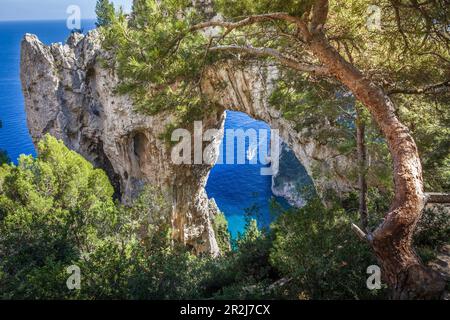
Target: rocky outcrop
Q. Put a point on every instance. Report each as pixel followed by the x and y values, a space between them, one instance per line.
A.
pixel 71 95
pixel 291 181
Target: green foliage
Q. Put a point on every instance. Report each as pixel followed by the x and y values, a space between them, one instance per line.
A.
pixel 57 211
pixel 159 62
pixel 136 272
pixel 245 272
pixel 50 207
pixel 433 231
pixel 312 106
pixel 105 13
pixel 4 157
pixel 220 225
pixel 377 205
pixel 414 36
pixel 316 248
pixel 326 113
pixel 429 121
pixel 239 8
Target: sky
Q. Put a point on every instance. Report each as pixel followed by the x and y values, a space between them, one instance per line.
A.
pixel 50 9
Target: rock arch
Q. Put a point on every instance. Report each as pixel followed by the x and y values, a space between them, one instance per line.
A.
pixel 65 83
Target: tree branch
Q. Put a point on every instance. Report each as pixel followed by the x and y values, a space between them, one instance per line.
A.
pixel 361 234
pixel 425 90
pixel 435 197
pixel 230 26
pixel 269 52
pixel 399 23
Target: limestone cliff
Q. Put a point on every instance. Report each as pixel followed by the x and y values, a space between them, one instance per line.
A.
pixel 292 180
pixel 69 94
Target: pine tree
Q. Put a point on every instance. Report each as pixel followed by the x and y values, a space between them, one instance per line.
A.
pixel 105 11
pixel 140 11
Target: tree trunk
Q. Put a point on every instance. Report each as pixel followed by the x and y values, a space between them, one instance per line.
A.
pixel 362 167
pixel 392 240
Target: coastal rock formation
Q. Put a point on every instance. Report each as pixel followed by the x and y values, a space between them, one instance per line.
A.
pixel 71 95
pixel 247 89
pixel 292 181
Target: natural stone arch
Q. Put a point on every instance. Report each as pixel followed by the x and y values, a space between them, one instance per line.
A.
pixel 248 89
pixel 62 83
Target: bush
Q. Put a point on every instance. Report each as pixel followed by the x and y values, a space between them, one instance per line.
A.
pixel 245 272
pixel 315 248
pixel 57 211
pixel 220 225
pixel 433 231
pixel 52 209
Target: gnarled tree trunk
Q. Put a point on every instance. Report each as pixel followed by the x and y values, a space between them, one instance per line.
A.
pixel 362 167
pixel 392 240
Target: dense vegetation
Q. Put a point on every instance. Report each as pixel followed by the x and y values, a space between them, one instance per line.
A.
pixel 104 10
pixel 58 211
pixel 375 88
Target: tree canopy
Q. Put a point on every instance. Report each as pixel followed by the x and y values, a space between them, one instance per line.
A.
pixel 105 12
pixel 161 62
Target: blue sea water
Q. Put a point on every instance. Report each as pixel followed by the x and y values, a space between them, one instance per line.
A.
pixel 236 188
pixel 240 190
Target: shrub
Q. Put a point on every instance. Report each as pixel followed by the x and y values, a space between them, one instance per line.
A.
pixel 52 209
pixel 432 232
pixel 315 248
pixel 220 225
pixel 58 210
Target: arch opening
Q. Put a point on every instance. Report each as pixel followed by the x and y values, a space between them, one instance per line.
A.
pixel 240 190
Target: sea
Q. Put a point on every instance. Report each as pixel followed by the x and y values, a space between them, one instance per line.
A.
pixel 240 191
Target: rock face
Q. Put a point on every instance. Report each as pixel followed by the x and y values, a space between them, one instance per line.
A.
pixel 69 94
pixel 292 180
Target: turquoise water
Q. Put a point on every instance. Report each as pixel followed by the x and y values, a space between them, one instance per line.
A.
pixel 240 189
pixel 235 188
